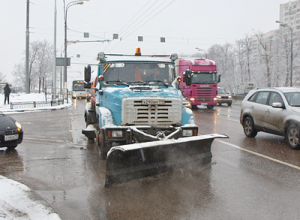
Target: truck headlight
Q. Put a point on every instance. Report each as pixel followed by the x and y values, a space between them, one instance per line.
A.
pixel 187 133
pixel 117 134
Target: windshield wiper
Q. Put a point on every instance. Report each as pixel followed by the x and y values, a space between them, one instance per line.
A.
pixel 116 81
pixel 137 82
pixel 158 81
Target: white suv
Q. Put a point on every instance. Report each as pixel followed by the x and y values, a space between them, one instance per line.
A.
pixel 275 111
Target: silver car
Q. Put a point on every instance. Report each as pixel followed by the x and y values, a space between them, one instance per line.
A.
pixel 275 111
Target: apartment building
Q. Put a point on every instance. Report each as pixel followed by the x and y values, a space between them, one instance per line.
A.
pixel 289 14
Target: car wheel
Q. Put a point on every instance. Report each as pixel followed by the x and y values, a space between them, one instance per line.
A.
pixel 229 104
pixel 12 147
pixel 248 126
pixel 194 107
pixel 292 137
pixel 210 107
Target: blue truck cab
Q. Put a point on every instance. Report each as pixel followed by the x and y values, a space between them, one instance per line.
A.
pixel 135 99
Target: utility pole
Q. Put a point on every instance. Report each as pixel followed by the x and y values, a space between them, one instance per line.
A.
pixel 27 89
pixel 54 56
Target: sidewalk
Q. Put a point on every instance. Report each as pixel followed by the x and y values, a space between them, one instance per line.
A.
pixel 22 97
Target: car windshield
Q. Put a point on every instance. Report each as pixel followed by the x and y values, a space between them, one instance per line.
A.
pixel 221 91
pixel 204 78
pixel 293 98
pixel 138 73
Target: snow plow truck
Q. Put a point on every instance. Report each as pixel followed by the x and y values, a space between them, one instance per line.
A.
pixel 137 117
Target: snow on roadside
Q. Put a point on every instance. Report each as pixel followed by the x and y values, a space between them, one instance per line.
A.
pixel 23 97
pixel 17 202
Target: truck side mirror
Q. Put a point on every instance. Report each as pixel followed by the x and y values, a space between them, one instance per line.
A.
pixel 187 77
pixel 87 73
pixel 87 77
pixel 219 78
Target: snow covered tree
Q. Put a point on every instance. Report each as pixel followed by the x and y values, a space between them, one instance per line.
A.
pixel 40 65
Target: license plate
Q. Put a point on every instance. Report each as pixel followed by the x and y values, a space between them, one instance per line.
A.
pixel 153 102
pixel 11 137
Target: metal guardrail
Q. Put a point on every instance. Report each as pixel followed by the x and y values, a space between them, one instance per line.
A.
pixel 35 104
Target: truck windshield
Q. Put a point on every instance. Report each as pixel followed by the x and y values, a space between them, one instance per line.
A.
pixel 138 73
pixel 204 78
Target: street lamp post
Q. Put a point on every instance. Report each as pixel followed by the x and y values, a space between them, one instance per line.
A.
pixel 66 42
pixel 291 29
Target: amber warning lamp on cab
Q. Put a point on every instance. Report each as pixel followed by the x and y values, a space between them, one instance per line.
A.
pixel 138 52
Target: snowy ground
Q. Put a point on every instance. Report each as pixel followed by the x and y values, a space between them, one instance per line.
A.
pixel 17 201
pixel 22 97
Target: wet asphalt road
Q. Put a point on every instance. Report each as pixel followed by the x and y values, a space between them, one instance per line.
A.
pixel 248 178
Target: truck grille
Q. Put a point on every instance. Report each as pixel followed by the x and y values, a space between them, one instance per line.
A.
pixel 134 112
pixel 204 94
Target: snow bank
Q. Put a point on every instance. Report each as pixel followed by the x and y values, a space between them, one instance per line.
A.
pixel 17 202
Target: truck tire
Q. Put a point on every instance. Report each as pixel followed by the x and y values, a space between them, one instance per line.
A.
pixel 248 126
pixel 293 137
pixel 210 106
pixel 101 143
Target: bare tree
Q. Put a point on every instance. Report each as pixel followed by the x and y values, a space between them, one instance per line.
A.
pixel 239 51
pixel 225 61
pixel 40 64
pixel 247 53
pixel 266 54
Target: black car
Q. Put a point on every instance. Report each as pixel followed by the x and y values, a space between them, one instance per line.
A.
pixel 11 133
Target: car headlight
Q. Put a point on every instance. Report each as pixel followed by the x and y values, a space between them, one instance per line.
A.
pixel 230 96
pixel 187 133
pixel 117 134
pixel 18 126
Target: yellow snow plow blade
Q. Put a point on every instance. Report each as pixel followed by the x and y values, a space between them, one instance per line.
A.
pixel 127 162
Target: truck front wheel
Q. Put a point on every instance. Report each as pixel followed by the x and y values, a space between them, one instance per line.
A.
pixel 101 144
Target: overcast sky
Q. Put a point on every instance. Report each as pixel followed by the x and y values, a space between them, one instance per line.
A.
pixel 185 24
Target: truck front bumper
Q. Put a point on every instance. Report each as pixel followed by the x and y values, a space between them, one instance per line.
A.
pixel 138 134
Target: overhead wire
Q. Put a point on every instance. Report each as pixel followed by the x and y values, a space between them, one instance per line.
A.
pixel 145 17
pixel 136 19
pixel 139 11
pixel 150 18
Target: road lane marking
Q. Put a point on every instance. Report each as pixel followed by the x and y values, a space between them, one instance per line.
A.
pixel 260 155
